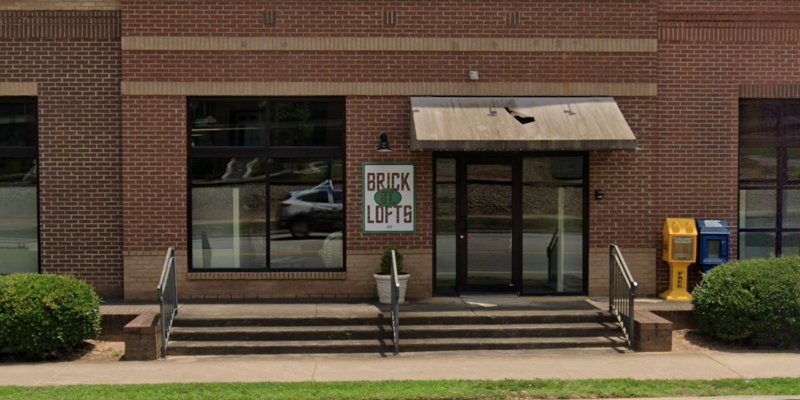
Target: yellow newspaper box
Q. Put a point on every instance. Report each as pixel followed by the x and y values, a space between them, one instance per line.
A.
pixel 680 249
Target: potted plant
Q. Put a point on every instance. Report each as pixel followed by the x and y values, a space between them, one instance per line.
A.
pixel 383 279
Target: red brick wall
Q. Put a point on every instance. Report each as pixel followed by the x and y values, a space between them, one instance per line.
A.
pixel 154 174
pixel 78 77
pixel 366 118
pixel 452 18
pixel 624 215
pixel 703 63
pixel 326 66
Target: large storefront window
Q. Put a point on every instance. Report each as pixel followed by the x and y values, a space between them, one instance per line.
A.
pixel 19 225
pixel 769 178
pixel 266 184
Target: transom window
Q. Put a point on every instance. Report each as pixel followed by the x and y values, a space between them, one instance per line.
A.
pixel 769 178
pixel 267 179
pixel 19 222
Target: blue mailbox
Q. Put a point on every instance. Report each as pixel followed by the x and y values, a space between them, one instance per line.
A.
pixel 712 243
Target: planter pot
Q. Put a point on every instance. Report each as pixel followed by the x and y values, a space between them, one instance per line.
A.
pixel 383 283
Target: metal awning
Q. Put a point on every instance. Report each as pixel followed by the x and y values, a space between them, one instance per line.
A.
pixel 518 123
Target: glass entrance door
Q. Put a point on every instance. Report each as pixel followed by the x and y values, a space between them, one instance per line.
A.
pixel 510 222
pixel 487 227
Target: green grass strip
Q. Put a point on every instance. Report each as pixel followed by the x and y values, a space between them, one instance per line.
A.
pixel 507 389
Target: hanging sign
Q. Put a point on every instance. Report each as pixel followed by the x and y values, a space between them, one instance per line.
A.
pixel 388 198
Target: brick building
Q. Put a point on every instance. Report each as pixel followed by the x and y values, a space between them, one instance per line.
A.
pixel 239 133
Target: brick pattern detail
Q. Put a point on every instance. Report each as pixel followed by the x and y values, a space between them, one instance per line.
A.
pixel 143 337
pixel 59 25
pixel 776 91
pixel 78 82
pixel 154 180
pixel 367 43
pixel 388 89
pixel 728 7
pixel 366 118
pixel 451 18
pixel 333 66
pixel 651 332
pixel 696 148
pixel 39 5
pixel 142 273
pixel 278 276
pixel 641 262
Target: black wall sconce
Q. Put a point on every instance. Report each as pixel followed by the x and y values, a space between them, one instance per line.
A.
pixel 383 143
pixel 598 194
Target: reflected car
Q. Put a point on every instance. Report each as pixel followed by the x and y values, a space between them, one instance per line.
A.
pixel 311 210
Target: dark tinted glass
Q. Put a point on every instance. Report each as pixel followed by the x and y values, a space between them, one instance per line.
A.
pixel 758 121
pixel 17 124
pixel 227 123
pixel 307 123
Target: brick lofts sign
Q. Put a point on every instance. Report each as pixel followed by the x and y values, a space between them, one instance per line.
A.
pixel 388 198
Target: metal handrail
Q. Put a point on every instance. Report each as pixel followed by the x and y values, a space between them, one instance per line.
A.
pixel 622 290
pixel 395 305
pixel 552 259
pixel 167 291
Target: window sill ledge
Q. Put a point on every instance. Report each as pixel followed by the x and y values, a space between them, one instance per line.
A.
pixel 268 276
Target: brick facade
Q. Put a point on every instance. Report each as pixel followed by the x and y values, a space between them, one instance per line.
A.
pixel 112 112
pixel 73 58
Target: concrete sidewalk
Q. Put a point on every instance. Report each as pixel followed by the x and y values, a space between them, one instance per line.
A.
pixel 550 364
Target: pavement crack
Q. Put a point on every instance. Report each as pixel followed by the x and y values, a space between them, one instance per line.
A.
pixel 711 356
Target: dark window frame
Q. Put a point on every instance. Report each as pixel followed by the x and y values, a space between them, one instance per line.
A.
pixel 29 152
pixel 267 152
pixel 781 182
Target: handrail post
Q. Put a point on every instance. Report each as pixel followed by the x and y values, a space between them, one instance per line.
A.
pixel 395 305
pixel 611 278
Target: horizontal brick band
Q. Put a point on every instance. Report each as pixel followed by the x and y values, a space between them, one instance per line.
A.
pixel 18 89
pixel 718 33
pixel 157 43
pixel 107 5
pixel 777 91
pixel 59 24
pixel 730 16
pixel 264 276
pixel 387 89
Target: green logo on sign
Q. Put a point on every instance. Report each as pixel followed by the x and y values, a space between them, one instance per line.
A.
pixel 388 197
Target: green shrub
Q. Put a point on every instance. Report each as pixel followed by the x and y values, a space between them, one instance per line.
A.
pixel 386 262
pixel 43 316
pixel 756 301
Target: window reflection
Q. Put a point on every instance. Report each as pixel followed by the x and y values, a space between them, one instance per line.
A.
pixel 552 212
pixel 307 214
pixel 19 224
pixel 258 203
pixel 228 213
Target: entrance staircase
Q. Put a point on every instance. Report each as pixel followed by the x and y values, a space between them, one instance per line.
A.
pixel 420 331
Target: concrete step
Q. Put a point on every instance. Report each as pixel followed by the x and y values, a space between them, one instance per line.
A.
pixel 292 333
pixel 359 332
pixel 179 348
pixel 281 321
pixel 407 318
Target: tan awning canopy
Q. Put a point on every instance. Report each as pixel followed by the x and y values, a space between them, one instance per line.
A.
pixel 518 123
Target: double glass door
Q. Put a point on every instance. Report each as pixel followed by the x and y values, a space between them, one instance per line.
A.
pixel 510 223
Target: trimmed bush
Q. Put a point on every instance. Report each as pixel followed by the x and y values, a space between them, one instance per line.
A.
pixel 386 262
pixel 755 301
pixel 44 316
